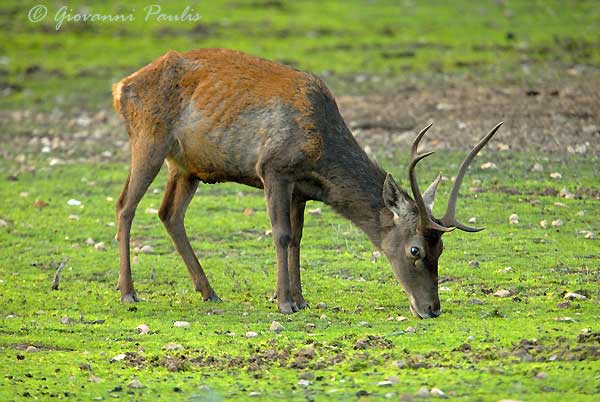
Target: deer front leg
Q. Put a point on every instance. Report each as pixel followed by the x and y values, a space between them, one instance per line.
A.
pixel 297 223
pixel 278 194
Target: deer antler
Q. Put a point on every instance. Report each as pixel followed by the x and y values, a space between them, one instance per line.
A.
pixel 425 220
pixel 449 218
pixel 448 221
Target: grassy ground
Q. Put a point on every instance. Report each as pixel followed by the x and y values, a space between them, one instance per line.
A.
pixel 533 345
pixel 76 64
pixel 491 349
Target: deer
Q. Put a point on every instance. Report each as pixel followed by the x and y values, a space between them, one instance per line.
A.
pixel 218 115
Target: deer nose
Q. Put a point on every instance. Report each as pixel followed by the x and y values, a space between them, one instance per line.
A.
pixel 434 313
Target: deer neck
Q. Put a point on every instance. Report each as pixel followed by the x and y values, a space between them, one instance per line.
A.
pixel 354 188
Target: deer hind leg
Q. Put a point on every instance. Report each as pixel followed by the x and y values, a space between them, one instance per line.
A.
pixel 297 223
pixel 146 161
pixel 278 194
pixel 180 191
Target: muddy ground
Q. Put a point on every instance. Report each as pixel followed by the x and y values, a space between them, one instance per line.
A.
pixel 559 117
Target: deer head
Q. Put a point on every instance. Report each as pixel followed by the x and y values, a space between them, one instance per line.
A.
pixel 414 244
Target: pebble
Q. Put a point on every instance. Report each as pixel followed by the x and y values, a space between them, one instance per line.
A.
pixel 3 223
pixel 32 348
pixel 385 383
pixel 423 392
pixel 365 324
pixel 537 167
pixel 100 246
pixel 251 334
pixel 555 175
pixel 503 293
pixel 513 219
pixel 475 301
pixel 73 217
pixel 321 305
pixel 143 329
pixel 151 211
pixel 93 378
pixel 541 376
pixel 118 357
pixel 173 346
pixel 574 296
pixel 590 235
pixel 543 224
pixel 147 249
pixel 276 327
pixel 394 379
pixel 307 376
pixel 472 220
pixel 438 392
pixel 73 202
pixel 303 383
pixel 488 165
pixel 67 320
pixel 411 330
pixel 474 264
pixel 505 270
pixel 181 324
pixel 90 242
pixel 557 223
pixel 135 383
pixel 315 211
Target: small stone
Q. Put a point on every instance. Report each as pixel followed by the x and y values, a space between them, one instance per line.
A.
pixel 143 329
pixel 310 326
pixel 365 324
pixel 321 305
pixel 474 264
pixel 67 320
pixel 438 393
pixel 181 324
pixel 544 224
pixel 574 296
pixel 470 338
pixel 303 383
pixel 399 364
pixel 56 162
pixel 503 293
pixel 590 235
pixel 315 211
pixel 119 357
pixel 376 256
pixel 505 270
pixel 147 249
pixel 73 202
pixel 307 376
pixel 31 349
pixel 560 205
pixel 90 242
pixel 394 379
pixel 555 176
pixel 541 376
pixel 423 392
pixel 580 213
pixel 475 301
pixel 385 383
pixel 3 223
pixel 557 223
pixel 276 327
pixel 472 220
pixel 513 219
pixel 100 246
pixel 93 378
pixel 488 165
pixel 537 167
pixel 411 330
pixel 135 383
pixel 73 217
pixel 254 394
pixel 565 319
pixel 251 334
pixel 151 211
pixel 173 346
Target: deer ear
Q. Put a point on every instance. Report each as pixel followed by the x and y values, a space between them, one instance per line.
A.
pixel 396 199
pixel 429 194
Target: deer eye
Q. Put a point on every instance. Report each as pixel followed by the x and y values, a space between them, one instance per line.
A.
pixel 414 251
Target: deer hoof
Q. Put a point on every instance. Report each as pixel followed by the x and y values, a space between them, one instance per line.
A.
pixel 287 308
pixel 300 302
pixel 213 298
pixel 129 298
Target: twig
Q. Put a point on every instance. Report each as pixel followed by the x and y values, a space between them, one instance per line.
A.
pixel 57 274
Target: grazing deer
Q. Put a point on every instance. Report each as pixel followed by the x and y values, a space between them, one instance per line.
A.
pixel 219 115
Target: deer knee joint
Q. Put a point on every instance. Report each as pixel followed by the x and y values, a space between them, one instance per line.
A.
pixel 283 240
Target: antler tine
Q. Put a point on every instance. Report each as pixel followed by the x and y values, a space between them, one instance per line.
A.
pixel 425 221
pixel 449 218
